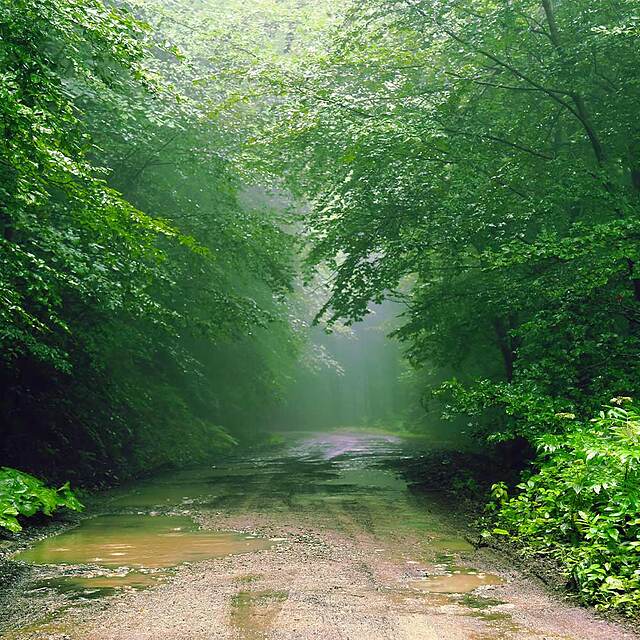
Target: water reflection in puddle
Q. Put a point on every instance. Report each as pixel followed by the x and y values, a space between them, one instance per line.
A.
pixel 462 582
pixel 328 446
pixel 96 586
pixel 108 555
pixel 138 541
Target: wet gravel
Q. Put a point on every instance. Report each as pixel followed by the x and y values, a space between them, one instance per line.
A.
pixel 354 552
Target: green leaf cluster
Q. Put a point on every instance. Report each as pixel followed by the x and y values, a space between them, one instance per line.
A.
pixel 23 495
pixel 479 161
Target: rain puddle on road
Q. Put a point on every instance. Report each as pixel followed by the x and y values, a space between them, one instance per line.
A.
pixel 151 542
pixel 96 585
pixel 129 551
pixel 459 581
pixel 352 483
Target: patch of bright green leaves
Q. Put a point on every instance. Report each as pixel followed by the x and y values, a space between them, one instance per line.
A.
pixel 582 506
pixel 24 495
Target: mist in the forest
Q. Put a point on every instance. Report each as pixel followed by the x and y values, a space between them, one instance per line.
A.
pixel 355 377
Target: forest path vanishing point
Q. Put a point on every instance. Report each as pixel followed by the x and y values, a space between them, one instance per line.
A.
pixel 325 539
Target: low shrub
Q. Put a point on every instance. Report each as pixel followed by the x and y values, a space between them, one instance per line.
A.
pixel 581 506
pixel 23 495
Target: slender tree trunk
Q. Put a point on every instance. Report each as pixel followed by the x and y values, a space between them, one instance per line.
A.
pixel 506 345
pixel 577 99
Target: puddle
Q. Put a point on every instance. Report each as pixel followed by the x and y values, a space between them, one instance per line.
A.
pixel 506 629
pixel 329 446
pixel 185 487
pixel 152 542
pixel 97 586
pixel 417 599
pixel 41 630
pixel 254 612
pixel 463 581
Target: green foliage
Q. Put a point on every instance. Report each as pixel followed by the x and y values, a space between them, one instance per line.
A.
pixel 581 506
pixel 480 161
pixel 23 495
pixel 133 261
pixel 474 159
pixel 66 236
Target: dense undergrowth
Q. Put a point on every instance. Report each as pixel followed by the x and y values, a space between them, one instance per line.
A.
pixel 580 505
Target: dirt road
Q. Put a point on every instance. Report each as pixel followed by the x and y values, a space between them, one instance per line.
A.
pixel 333 545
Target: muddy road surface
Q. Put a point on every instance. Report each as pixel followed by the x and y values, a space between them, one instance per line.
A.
pixel 323 540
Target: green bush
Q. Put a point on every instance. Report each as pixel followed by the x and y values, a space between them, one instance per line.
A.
pixel 24 495
pixel 582 506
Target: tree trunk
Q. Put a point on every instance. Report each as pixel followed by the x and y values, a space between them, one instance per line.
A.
pixel 506 344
